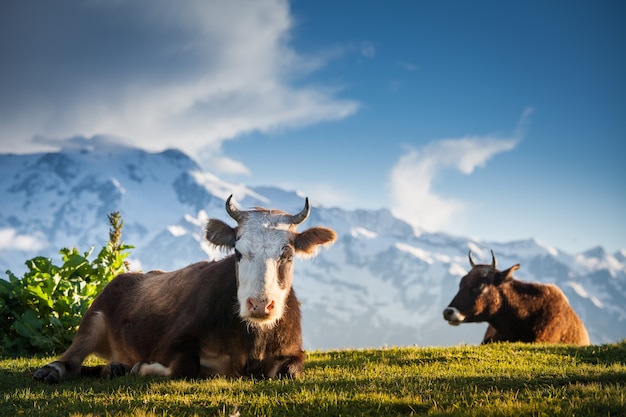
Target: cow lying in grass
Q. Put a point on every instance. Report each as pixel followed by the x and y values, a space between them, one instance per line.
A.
pixel 237 317
pixel 516 311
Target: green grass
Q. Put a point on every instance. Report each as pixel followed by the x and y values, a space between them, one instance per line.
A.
pixel 499 379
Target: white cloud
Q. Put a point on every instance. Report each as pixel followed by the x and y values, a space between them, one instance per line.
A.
pixel 160 74
pixel 413 176
pixel 227 165
pixel 11 240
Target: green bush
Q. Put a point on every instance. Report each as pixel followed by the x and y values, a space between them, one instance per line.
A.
pixel 40 312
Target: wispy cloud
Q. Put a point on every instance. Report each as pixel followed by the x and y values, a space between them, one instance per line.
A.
pixel 158 73
pixel 11 240
pixel 224 164
pixel 413 197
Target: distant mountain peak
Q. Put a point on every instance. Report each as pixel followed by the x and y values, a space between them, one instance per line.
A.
pixel 595 252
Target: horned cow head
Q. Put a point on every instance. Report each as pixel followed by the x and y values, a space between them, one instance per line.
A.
pixel 478 297
pixel 265 243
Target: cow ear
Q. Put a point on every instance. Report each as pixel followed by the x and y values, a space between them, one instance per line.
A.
pixel 220 234
pixel 505 276
pixel 308 242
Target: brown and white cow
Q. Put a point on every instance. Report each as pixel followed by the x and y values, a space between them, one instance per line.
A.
pixel 516 311
pixel 237 317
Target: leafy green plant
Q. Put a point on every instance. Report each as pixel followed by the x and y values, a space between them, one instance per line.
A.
pixel 40 312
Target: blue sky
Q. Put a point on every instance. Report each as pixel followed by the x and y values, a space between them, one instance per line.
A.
pixel 488 119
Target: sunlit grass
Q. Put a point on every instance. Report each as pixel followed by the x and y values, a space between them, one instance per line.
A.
pixel 502 379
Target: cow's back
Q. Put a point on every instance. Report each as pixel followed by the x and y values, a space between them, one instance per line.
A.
pixel 545 315
pixel 562 324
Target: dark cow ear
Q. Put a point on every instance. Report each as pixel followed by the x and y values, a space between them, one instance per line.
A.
pixel 505 276
pixel 308 241
pixel 220 234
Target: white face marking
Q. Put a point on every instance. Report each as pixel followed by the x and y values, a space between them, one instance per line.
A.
pixel 261 244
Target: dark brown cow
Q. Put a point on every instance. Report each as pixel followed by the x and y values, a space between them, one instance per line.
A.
pixel 235 317
pixel 516 311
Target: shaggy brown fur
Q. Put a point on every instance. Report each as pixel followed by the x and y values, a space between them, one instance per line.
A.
pixel 516 311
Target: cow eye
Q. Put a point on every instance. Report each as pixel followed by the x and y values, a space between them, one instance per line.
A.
pixel 237 255
pixel 287 255
pixel 478 289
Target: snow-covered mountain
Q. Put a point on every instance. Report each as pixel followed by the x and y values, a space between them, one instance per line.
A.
pixel 381 283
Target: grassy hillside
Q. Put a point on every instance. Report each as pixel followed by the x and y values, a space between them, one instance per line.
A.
pixel 502 379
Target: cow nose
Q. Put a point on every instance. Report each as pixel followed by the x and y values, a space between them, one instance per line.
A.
pixel 259 307
pixel 448 313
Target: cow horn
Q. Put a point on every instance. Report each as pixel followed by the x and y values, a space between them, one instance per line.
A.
pixel 233 211
pixel 300 217
pixel 494 263
pixel 471 260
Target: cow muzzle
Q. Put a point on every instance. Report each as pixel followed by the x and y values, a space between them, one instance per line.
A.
pixel 259 308
pixel 453 316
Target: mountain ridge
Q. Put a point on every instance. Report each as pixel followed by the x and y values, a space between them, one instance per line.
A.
pixel 381 283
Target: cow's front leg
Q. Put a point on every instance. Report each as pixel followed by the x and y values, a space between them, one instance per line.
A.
pixel 182 366
pixel 54 372
pixel 150 369
pixel 285 366
pixel 110 370
pixel 114 370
